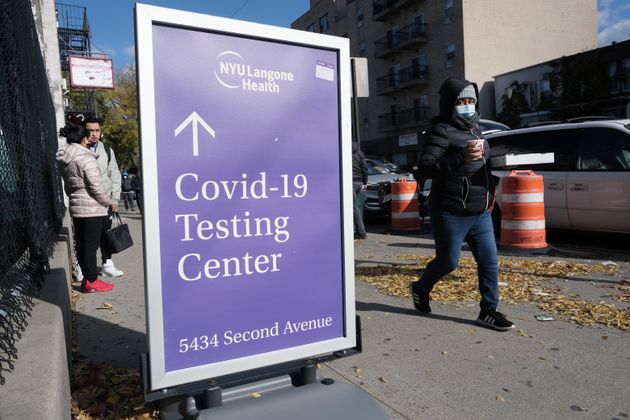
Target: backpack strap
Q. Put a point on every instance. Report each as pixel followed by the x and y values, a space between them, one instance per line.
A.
pixel 108 150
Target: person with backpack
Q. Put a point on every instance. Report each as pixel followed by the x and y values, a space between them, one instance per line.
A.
pixel 111 180
pixel 128 191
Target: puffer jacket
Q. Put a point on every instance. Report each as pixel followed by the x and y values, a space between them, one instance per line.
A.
pixel 82 182
pixel 458 187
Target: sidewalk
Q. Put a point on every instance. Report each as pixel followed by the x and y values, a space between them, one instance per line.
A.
pixel 438 367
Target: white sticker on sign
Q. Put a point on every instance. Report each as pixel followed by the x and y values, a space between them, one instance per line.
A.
pixel 325 71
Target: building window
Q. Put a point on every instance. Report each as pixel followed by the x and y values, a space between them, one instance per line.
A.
pixel 545 87
pixel 533 95
pixel 612 75
pixel 448 11
pixel 420 108
pixel 323 23
pixel 311 27
pixel 625 74
pixel 420 67
pixel 394 76
pixel 359 17
pixel 392 37
pixel 362 49
pixel 393 115
pixel 417 25
pixel 450 56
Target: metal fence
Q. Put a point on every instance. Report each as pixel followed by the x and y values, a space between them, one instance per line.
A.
pixel 31 200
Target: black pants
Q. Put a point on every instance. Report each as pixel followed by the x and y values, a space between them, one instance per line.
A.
pixel 87 231
pixel 107 225
pixel 139 200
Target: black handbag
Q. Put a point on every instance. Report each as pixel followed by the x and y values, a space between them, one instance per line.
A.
pixel 118 237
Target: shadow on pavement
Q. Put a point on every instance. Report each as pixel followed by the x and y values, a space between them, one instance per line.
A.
pixel 105 341
pixel 373 262
pixel 412 245
pixel 380 307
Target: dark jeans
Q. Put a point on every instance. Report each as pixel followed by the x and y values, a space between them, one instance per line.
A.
pixel 450 230
pixel 359 227
pixel 87 231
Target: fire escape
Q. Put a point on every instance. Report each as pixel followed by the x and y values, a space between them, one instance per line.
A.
pixel 74 40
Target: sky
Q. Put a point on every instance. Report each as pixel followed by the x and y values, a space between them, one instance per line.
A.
pixel 614 21
pixel 112 25
pixel 111 22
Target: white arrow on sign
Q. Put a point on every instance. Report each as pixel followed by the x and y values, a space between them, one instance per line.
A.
pixel 196 120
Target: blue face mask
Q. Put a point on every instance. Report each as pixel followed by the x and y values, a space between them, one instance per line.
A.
pixel 465 110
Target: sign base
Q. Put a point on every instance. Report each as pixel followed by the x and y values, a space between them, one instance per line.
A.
pixel 278 399
pixel 280 383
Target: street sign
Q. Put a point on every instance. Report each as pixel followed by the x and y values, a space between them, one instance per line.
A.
pixel 89 72
pixel 246 162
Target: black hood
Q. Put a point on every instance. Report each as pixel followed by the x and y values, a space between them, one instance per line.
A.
pixel 448 93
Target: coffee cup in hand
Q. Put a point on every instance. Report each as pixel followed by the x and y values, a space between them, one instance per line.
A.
pixel 476 147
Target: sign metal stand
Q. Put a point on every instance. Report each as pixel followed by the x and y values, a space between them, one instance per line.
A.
pixel 188 400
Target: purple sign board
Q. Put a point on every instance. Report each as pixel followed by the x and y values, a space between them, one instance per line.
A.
pixel 246 168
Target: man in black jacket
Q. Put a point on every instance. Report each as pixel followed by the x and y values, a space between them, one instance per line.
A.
pixel 462 195
pixel 359 184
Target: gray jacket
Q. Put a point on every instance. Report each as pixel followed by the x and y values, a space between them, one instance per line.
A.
pixel 82 182
pixel 110 174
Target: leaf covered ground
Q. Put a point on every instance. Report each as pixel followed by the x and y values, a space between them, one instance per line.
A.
pixel 106 392
pixel 101 391
pixel 520 280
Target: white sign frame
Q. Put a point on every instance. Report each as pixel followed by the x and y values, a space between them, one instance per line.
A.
pixel 146 17
pixel 91 72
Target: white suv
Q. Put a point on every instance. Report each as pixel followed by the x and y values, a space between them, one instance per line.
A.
pixel 587 187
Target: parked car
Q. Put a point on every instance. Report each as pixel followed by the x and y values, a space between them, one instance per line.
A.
pixel 490 126
pixel 587 187
pixel 391 167
pixel 378 194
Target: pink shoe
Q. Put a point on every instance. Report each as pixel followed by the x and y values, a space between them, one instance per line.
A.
pixel 96 286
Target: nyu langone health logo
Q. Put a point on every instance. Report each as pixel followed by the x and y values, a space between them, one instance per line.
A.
pixel 233 72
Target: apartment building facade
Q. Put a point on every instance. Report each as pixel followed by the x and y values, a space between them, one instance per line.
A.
pixel 412 46
pixel 587 84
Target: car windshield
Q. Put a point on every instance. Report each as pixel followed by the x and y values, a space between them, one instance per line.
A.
pixel 489 126
pixel 391 167
pixel 374 169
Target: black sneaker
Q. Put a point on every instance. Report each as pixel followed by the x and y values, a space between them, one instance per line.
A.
pixel 495 320
pixel 420 302
pixel 360 236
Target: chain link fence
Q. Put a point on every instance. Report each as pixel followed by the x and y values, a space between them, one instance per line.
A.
pixel 31 200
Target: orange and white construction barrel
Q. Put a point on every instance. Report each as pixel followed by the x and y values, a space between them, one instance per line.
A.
pixel 523 210
pixel 405 214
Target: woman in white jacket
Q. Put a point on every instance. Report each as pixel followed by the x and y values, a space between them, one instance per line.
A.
pixel 88 200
